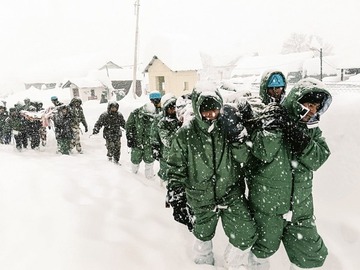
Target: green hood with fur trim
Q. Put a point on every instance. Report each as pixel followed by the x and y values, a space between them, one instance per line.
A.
pixel 201 92
pixel 264 82
pixel 303 87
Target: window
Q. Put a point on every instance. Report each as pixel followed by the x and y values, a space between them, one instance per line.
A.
pixel 92 95
pixel 160 83
pixel 186 86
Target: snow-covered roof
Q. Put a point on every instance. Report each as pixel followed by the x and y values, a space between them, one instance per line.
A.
pixel 258 64
pixel 220 59
pixel 118 73
pixel 177 55
pixel 84 83
pixel 123 74
pixel 110 65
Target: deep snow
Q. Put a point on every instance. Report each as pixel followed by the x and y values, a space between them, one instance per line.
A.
pixel 81 212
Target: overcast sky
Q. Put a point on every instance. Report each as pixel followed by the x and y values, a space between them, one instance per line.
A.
pixel 52 40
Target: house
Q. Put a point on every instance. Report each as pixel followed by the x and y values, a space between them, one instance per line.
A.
pixel 170 77
pixel 122 78
pixel 86 88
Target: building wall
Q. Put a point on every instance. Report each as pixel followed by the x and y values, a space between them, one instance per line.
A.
pixel 174 81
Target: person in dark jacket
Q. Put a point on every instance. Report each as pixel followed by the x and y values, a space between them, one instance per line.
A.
pixel 203 170
pixel 78 117
pixel 287 148
pixel 112 121
pixel 63 131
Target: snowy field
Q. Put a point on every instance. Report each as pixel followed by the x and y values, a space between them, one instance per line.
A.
pixel 81 212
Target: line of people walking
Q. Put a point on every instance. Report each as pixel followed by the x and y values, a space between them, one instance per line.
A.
pixel 19 123
pixel 248 163
pixel 28 122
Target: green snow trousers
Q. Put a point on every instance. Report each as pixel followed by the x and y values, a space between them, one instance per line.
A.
pixel 141 154
pixel 302 243
pixel 236 220
pixel 64 145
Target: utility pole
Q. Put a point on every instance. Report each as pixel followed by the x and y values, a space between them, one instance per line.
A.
pixel 137 6
pixel 315 46
pixel 321 62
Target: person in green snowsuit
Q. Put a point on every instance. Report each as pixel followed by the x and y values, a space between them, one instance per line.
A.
pixel 155 141
pixel 166 128
pixel 138 129
pixel 287 147
pixel 15 124
pixel 203 171
pixel 63 131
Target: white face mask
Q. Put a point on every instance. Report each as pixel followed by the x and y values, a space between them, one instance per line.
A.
pixel 304 111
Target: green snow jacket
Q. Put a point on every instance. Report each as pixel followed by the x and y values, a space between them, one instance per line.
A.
pixel 166 129
pixel 201 161
pixel 138 126
pixel 62 123
pixel 15 122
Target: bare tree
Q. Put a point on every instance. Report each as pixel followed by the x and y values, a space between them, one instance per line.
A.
pixel 295 43
pixel 298 42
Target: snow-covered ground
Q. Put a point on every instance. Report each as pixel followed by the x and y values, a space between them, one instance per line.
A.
pixel 81 212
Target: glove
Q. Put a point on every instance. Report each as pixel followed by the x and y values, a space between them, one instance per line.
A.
pixel 156 152
pixel 86 129
pixel 297 138
pixel 245 110
pixel 232 124
pixel 181 210
pixel 294 135
pixel 273 116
